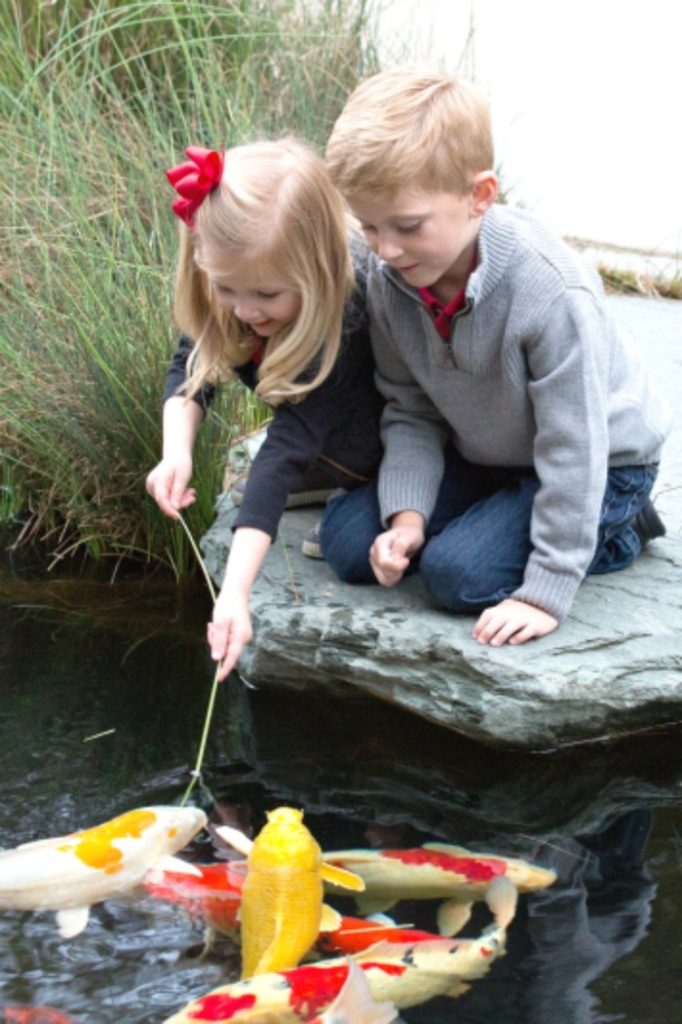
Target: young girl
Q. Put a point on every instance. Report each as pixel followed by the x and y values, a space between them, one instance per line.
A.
pixel 266 288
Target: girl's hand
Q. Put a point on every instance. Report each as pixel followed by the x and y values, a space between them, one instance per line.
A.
pixel 391 552
pixel 229 631
pixel 512 622
pixel 167 485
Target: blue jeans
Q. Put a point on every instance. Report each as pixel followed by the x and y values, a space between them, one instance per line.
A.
pixel 478 538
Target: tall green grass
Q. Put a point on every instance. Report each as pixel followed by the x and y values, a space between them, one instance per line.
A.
pixel 95 101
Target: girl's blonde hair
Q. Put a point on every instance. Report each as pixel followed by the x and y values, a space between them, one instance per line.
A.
pixel 410 126
pixel 276 210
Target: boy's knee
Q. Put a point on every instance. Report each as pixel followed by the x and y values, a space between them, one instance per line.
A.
pixel 345 540
pixel 445 575
pixel 459 581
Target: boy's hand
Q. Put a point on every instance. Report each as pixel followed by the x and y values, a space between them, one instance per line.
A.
pixel 230 631
pixel 391 552
pixel 512 622
pixel 167 485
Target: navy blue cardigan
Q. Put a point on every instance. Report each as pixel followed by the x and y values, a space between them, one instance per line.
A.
pixel 339 421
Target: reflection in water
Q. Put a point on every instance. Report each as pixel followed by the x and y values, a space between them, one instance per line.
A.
pixel 366 774
pixel 567 936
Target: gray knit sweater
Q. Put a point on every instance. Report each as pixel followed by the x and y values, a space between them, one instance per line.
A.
pixel 535 374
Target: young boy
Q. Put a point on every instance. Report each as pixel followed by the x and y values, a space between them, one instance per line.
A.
pixel 521 432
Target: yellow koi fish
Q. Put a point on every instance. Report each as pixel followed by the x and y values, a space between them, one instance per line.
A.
pixel 282 910
pixel 68 874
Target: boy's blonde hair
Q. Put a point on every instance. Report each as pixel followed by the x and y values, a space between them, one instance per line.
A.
pixel 410 127
pixel 276 211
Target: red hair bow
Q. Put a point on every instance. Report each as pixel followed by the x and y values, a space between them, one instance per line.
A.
pixel 194 179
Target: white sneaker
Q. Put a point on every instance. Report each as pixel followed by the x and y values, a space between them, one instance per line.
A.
pixel 312 495
pixel 311 542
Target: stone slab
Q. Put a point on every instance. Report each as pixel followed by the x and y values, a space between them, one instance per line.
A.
pixel 615 666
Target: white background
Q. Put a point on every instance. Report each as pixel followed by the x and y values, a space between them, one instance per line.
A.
pixel 586 98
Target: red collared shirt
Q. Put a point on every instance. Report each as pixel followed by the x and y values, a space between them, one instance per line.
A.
pixel 442 315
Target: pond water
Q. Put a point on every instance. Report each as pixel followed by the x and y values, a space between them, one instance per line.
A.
pixel 79 659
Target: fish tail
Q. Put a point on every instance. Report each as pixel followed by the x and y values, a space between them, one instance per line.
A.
pixel 355 1003
pixel 501 897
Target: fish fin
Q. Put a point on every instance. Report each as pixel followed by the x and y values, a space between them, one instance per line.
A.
pixel 448 848
pixel 330 920
pixel 457 989
pixel 271 959
pixel 501 897
pixel 177 865
pixel 233 837
pixel 355 1002
pixel 395 950
pixel 352 856
pixel 452 915
pixel 386 920
pixel 339 876
pixel 209 941
pixel 368 905
pixel 72 922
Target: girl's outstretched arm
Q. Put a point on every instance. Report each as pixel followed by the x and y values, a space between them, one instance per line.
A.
pixel 230 629
pixel 167 482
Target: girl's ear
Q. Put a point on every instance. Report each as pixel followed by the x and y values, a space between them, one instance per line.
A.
pixel 483 193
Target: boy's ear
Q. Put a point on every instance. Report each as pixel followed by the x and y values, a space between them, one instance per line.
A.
pixel 483 193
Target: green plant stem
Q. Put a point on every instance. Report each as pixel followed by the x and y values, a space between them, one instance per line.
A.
pixel 195 549
pixel 196 772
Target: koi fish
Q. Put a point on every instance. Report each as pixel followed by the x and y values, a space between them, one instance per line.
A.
pixel 214 895
pixel 68 874
pixel 355 1003
pixel 282 909
pixel 435 871
pixel 404 974
pixel 356 934
pixel 34 1015
pixel 215 898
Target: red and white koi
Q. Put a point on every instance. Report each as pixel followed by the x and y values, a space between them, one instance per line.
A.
pixel 213 895
pixel 435 871
pixel 404 974
pixel 68 874
pixel 355 1003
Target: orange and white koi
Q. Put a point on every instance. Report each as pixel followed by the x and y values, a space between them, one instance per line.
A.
pixel 404 974
pixel 282 909
pixel 215 899
pixel 68 874
pixel 435 871
pixel 213 895
pixel 356 934
pixel 34 1015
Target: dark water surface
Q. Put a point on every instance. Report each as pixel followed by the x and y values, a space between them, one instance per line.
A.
pixel 76 659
